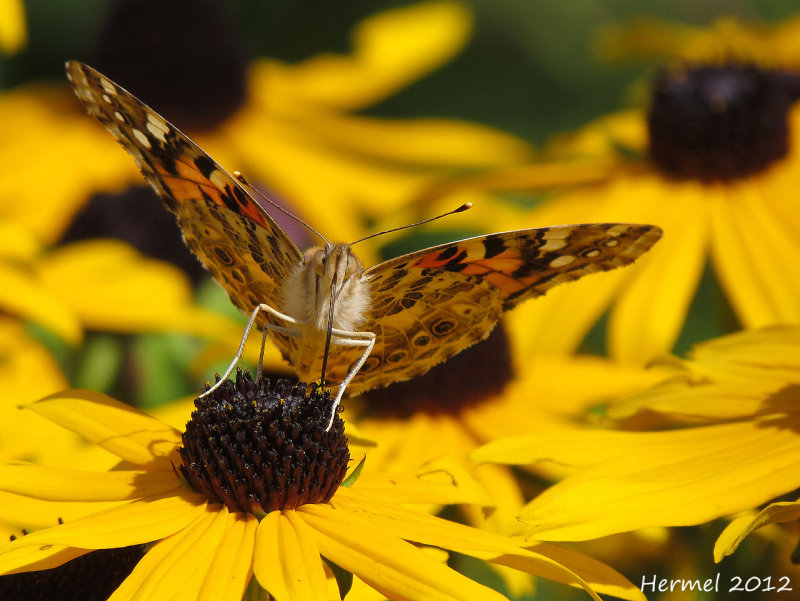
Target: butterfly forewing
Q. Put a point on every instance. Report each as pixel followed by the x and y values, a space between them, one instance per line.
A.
pixel 237 241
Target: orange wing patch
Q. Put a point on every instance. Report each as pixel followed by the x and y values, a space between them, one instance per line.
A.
pixel 174 165
pixel 526 263
pixel 235 239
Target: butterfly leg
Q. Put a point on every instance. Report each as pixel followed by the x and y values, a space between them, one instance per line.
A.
pixel 365 339
pixel 250 322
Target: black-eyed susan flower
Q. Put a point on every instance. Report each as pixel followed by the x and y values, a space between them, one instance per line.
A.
pixel 729 442
pixel 290 128
pixel 714 162
pixel 254 487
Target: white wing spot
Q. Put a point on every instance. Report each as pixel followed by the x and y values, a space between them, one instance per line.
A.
pixel 217 178
pixel 554 244
pixel 562 261
pixel 156 131
pixel 108 87
pixel 141 138
pixel 592 253
pixel 107 98
pixel 612 242
pixel 119 116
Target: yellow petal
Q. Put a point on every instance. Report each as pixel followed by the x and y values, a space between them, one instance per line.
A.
pixel 740 528
pixel 647 318
pixel 504 490
pixel 442 481
pixel 531 175
pixel 45 121
pixel 232 565
pixel 560 320
pixel 738 375
pixel 27 559
pixel 426 529
pixel 688 397
pixel 374 188
pixel 286 560
pixel 446 434
pixel 570 565
pixel 18 243
pixel 573 448
pixel 119 428
pixel 672 478
pixel 132 524
pixel 724 40
pixel 18 512
pixel 28 371
pixel 23 296
pixel 388 564
pixel 176 566
pixel 409 524
pixel 60 484
pixel 13 29
pixel 425 142
pixel 600 141
pixel 110 286
pixel 749 349
pixel 391 49
pixel 755 254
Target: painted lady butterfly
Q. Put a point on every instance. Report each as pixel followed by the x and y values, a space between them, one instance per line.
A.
pixel 411 312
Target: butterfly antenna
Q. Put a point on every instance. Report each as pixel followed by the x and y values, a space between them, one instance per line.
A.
pixel 461 209
pixel 238 175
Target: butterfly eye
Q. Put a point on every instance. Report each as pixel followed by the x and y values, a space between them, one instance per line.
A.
pixel 318 262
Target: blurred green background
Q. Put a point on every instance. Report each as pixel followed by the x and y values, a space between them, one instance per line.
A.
pixel 530 67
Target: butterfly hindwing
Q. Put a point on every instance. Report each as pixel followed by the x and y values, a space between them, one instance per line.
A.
pixel 236 240
pixel 429 305
pixel 421 318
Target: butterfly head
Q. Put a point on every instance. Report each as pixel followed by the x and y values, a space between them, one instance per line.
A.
pixel 334 265
pixel 333 274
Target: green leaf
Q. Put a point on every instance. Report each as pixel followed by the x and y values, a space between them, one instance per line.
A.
pixel 344 579
pixel 351 479
pixel 100 362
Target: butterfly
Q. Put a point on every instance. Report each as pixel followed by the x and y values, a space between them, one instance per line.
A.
pixel 390 322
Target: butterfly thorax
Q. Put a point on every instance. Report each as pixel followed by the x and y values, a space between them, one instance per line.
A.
pixel 331 272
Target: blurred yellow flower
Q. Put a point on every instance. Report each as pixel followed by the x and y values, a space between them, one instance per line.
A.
pixel 101 285
pixel 295 133
pixel 28 371
pixel 259 518
pixel 742 389
pixel 13 29
pixel 714 163
pixel 725 39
